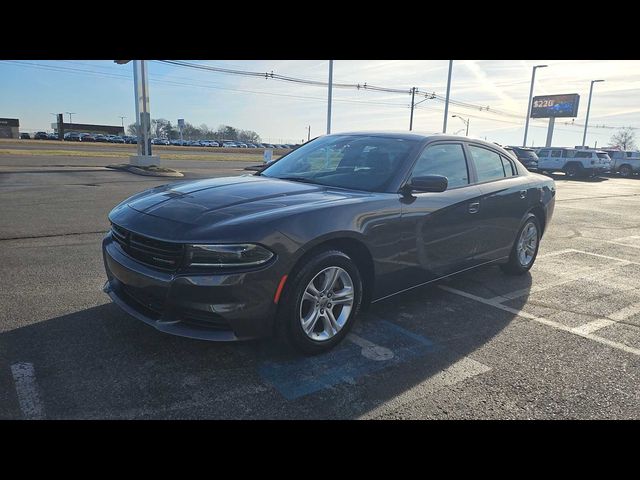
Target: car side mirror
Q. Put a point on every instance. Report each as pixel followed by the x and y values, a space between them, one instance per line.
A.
pixel 428 183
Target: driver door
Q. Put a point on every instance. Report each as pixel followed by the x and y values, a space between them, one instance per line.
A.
pixel 440 229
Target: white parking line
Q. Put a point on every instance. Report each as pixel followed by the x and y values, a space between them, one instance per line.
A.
pixel 632 241
pixel 542 320
pixel 593 326
pixel 455 373
pixel 572 277
pixel 625 312
pixel 27 390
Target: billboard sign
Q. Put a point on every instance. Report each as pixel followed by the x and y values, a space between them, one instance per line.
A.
pixel 548 106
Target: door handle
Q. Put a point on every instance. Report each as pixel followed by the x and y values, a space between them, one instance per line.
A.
pixel 474 207
pixel 523 194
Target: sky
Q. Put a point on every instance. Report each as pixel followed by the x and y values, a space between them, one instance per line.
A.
pixel 102 91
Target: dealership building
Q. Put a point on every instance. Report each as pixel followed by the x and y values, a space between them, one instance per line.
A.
pixel 88 128
pixel 9 128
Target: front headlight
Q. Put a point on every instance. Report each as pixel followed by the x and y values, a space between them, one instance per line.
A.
pixel 233 255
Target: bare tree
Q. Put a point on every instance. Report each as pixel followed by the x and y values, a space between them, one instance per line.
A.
pixel 625 139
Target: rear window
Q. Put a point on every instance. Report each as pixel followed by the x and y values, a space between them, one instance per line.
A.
pixel 603 155
pixel 526 154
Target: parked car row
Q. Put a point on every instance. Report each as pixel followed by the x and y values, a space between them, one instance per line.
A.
pixel 578 162
pixel 221 143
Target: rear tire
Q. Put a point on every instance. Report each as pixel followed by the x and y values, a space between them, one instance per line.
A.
pixel 525 247
pixel 625 171
pixel 572 171
pixel 301 307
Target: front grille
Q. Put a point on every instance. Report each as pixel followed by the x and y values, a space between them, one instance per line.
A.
pixel 159 254
pixel 201 318
pixel 149 304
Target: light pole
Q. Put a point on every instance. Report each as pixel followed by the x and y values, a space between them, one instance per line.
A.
pixel 586 122
pixel 466 122
pixel 446 105
pixel 526 124
pixel 329 97
pixel 308 133
pixel 70 120
pixel 122 118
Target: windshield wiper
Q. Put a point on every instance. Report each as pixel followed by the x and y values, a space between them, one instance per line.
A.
pixel 299 179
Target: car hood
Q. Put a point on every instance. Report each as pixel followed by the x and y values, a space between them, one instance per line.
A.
pixel 232 199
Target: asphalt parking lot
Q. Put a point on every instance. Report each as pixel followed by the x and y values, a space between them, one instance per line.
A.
pixel 562 342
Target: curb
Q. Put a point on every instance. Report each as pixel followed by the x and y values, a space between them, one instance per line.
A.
pixel 147 173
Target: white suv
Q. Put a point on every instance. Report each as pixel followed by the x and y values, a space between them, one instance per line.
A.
pixel 626 163
pixel 573 162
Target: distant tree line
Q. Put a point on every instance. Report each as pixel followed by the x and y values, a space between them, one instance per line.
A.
pixel 162 128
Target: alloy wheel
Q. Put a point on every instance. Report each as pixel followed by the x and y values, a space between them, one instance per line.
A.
pixel 326 303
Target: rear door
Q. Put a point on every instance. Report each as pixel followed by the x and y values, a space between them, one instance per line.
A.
pixel 503 204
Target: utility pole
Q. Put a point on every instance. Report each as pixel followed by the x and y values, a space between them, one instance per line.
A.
pixel 329 99
pixel 586 123
pixel 446 105
pixel 413 96
pixel 308 133
pixel 526 124
pixel 122 119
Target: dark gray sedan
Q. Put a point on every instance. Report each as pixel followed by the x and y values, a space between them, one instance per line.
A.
pixel 300 247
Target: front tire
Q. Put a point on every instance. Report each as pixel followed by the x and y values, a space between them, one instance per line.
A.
pixel 525 248
pixel 321 302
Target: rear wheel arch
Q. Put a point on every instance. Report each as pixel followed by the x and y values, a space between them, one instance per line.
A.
pixel 539 212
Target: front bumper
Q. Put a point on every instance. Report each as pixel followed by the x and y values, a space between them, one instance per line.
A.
pixel 206 306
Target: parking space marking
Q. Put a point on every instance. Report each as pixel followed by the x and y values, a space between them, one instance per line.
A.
pixel 378 344
pixel 625 241
pixel 578 274
pixel 572 277
pixel 625 312
pixel 593 326
pixel 542 320
pixel 453 374
pixel 25 381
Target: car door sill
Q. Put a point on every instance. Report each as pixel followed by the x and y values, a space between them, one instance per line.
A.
pixel 439 278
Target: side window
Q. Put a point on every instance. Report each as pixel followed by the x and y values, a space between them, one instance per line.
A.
pixel 556 153
pixel 583 154
pixel 445 159
pixel 509 168
pixel 488 164
pixel 629 154
pixel 544 153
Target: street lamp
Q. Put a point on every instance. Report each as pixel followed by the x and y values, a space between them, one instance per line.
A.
pixel 466 122
pixel 122 118
pixel 70 120
pixel 526 125
pixel 586 122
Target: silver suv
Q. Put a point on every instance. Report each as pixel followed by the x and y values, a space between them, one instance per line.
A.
pixel 573 162
pixel 626 163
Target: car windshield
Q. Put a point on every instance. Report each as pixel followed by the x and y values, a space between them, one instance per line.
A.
pixel 358 162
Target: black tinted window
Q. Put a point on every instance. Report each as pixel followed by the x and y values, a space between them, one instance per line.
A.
pixel 583 155
pixel 509 168
pixel 556 153
pixel 446 160
pixel 488 164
